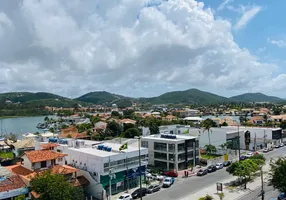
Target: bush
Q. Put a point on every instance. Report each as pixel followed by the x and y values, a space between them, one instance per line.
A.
pixel 207 197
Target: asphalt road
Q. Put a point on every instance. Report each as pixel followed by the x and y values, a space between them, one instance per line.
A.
pixel 188 186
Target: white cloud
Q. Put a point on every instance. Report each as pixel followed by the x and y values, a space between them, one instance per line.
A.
pixel 279 43
pixel 139 48
pixel 247 16
pixel 224 4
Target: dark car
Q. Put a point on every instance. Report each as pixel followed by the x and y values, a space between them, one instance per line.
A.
pixel 211 168
pixel 139 193
pixel 202 172
pixel 242 157
pixel 281 196
pixel 227 163
pixel 153 188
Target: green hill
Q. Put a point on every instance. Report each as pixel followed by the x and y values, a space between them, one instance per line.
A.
pixel 106 98
pixel 191 96
pixel 38 99
pixel 256 97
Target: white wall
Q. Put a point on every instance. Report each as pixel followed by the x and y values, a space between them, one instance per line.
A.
pixel 27 162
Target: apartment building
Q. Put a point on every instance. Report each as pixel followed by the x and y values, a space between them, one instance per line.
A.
pixel 172 152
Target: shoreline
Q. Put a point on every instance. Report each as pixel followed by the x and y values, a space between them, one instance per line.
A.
pixel 9 117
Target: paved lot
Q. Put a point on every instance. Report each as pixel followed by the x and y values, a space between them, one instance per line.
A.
pixel 185 187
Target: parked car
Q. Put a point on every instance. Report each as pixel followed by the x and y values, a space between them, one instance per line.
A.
pixel 159 177
pixel 153 188
pixel 250 154
pixel 139 193
pixel 219 166
pixel 281 145
pixel 211 168
pixel 149 175
pixel 265 150
pixel 277 146
pixel 168 182
pixel 125 197
pixel 227 163
pixel 281 196
pixel 243 157
pixel 172 173
pixel 202 172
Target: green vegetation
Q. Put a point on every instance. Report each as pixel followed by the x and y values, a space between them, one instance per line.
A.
pixel 278 173
pixel 256 97
pixel 209 156
pixel 207 124
pixel 56 187
pixel 6 154
pixel 20 197
pixel 207 197
pixel 246 169
pixel 221 195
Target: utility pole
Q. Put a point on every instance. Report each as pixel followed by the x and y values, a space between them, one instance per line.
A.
pixel 264 140
pixel 238 137
pixel 111 176
pixel 254 141
pixel 262 188
pixel 127 173
pixel 140 175
pixel 194 156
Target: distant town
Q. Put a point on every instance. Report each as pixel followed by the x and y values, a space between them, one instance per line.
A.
pixel 109 152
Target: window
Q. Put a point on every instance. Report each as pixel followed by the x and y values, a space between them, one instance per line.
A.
pixel 106 165
pixel 162 156
pixel 197 143
pixel 171 157
pixel 160 164
pixel 182 157
pixel 144 144
pixel 171 147
pixel 53 162
pixel 181 147
pixel 160 146
pixel 60 159
pixel 58 150
pixel 43 164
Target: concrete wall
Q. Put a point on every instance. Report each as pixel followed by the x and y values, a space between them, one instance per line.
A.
pixel 27 162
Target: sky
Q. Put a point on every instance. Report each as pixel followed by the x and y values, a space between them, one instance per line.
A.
pixel 143 48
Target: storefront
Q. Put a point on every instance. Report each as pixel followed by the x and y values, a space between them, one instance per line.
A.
pixel 117 183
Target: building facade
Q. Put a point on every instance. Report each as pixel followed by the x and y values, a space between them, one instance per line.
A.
pixel 172 152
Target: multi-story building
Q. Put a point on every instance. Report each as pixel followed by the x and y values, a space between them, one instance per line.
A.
pixel 102 159
pixel 172 152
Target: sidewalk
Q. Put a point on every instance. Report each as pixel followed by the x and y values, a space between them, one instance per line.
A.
pixel 230 192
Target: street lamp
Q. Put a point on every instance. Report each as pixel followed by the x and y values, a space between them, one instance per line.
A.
pixel 262 188
pixel 140 177
pixel 111 176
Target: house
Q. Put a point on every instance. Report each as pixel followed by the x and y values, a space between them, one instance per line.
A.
pixel 257 120
pixel 128 121
pixel 11 185
pixel 277 118
pixel 170 118
pixel 72 132
pixel 23 145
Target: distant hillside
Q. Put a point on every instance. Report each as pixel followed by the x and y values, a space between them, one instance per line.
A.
pixel 38 99
pixel 256 97
pixel 106 98
pixel 191 96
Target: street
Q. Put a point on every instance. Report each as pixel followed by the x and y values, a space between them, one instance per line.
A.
pixel 185 187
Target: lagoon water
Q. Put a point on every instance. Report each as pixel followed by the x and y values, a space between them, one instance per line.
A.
pixel 21 125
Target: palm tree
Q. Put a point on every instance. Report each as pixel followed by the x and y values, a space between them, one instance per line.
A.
pixel 207 124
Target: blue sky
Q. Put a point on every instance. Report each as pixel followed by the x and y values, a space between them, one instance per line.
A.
pixel 143 47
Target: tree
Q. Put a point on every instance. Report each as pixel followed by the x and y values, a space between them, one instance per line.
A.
pixel 243 169
pixel 154 128
pixel 278 174
pixel 113 129
pixel 55 186
pixel 115 114
pixel 20 197
pixel 128 113
pixel 283 125
pixel 207 124
pixel 210 149
pixel 224 124
pixel 131 133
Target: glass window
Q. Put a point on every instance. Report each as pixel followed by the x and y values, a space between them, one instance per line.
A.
pixel 106 165
pixel 43 164
pixel 171 157
pixel 144 144
pixel 182 156
pixel 197 143
pixel 160 146
pixel 160 165
pixel 181 147
pixel 171 147
pixel 162 156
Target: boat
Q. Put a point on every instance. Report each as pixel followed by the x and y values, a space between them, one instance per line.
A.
pixel 29 135
pixel 41 125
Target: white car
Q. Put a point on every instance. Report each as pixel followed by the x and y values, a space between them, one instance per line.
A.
pixel 250 154
pixel 159 177
pixel 125 197
pixel 219 165
pixel 149 175
pixel 167 182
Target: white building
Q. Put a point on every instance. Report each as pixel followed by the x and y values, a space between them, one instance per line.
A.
pixel 172 152
pixel 98 158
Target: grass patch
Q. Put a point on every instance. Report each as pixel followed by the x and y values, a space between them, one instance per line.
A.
pixel 6 155
pixel 209 156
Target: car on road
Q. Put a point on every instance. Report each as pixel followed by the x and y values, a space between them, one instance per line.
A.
pixel 168 182
pixel 211 168
pixel 125 197
pixel 139 193
pixel 172 173
pixel 202 172
pixel 281 196
pixel 227 163
pixel 153 188
pixel 219 166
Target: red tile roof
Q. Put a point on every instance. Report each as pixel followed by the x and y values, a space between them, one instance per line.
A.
pixel 43 155
pixel 19 169
pixel 11 183
pixel 49 145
